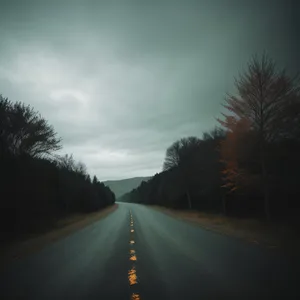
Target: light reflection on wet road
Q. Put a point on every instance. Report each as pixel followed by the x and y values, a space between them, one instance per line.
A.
pixel 140 253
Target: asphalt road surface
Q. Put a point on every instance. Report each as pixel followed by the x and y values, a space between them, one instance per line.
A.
pixel 140 253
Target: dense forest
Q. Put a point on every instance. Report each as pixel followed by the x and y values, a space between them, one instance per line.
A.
pixel 249 164
pixel 38 187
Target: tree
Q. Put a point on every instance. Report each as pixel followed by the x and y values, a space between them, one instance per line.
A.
pixel 4 125
pixel 81 168
pixel 183 155
pixel 234 153
pixel 210 180
pixel 24 131
pixel 67 162
pixel 95 180
pixel 37 189
pixel 264 97
pixel 215 134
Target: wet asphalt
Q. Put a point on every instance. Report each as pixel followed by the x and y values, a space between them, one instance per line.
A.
pixel 137 252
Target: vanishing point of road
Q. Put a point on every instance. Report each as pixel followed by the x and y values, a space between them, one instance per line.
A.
pixel 140 253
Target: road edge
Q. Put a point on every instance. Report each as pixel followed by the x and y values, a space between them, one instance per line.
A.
pixel 22 249
pixel 244 240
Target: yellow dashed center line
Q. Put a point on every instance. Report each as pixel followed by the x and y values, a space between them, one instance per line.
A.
pixel 133 257
pixel 132 277
pixel 135 297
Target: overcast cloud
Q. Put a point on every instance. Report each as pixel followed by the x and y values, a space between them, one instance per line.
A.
pixel 120 81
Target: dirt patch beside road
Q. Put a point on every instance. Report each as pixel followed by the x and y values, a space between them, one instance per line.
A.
pixel 274 236
pixel 64 227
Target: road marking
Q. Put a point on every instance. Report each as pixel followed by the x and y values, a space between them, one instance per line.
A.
pixel 132 276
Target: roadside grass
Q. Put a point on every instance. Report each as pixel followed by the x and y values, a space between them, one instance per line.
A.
pixel 277 236
pixel 35 242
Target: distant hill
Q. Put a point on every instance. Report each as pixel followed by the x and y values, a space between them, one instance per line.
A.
pixel 120 187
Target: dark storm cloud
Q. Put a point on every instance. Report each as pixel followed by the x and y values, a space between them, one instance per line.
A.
pixel 121 81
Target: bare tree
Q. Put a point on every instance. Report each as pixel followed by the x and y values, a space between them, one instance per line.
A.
pixel 67 162
pixel 263 98
pixel 22 130
pixel 81 168
pixel 182 155
pixel 215 134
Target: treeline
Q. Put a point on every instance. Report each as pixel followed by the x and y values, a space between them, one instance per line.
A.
pixel 37 187
pixel 249 165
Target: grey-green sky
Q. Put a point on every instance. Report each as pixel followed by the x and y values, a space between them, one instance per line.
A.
pixel 121 80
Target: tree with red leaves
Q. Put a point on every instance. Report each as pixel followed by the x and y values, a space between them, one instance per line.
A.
pixel 263 105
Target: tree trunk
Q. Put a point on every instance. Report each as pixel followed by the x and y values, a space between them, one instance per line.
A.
pixel 224 204
pixel 267 202
pixel 265 183
pixel 266 192
pixel 189 198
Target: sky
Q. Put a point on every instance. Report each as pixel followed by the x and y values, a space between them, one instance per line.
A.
pixel 120 81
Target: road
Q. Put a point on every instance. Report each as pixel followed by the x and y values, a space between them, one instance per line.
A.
pixel 140 253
